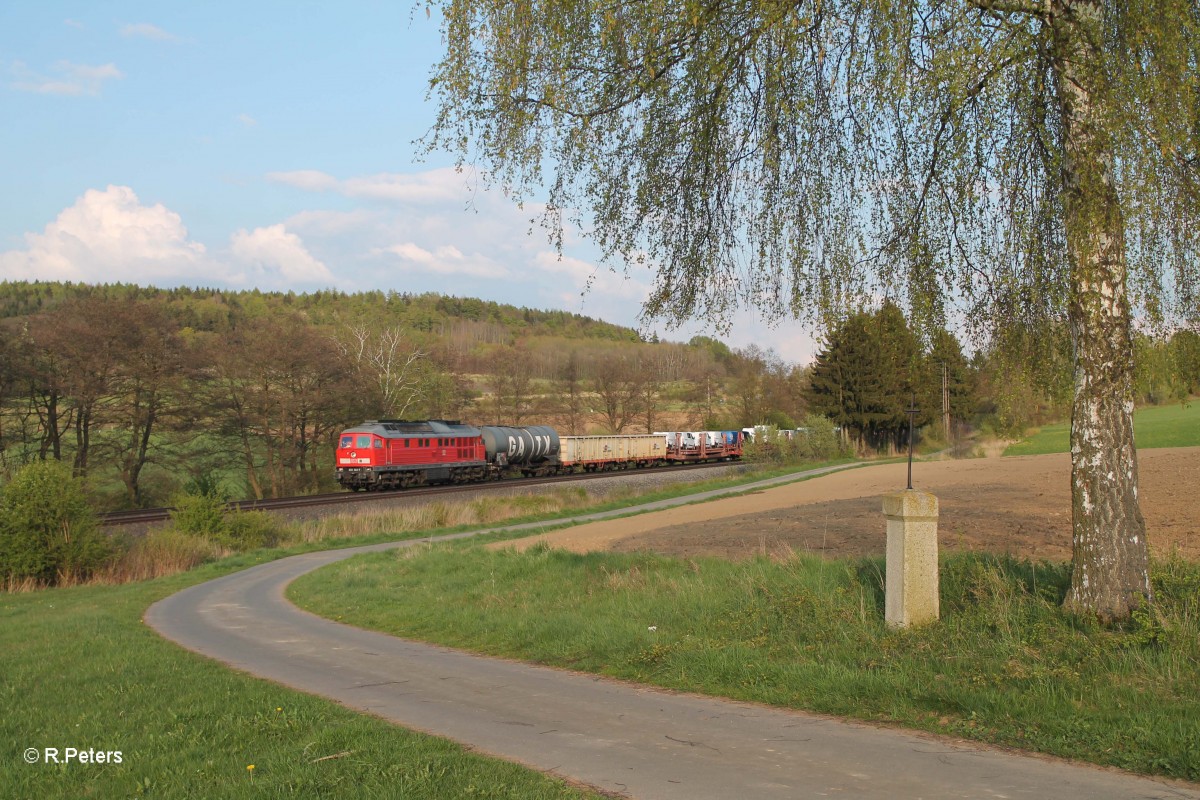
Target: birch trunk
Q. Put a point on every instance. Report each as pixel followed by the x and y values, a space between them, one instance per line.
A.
pixel 1111 558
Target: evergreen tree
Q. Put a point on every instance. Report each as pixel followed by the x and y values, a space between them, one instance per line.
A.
pixel 846 383
pixel 901 375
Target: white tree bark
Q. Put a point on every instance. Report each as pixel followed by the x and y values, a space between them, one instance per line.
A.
pixel 1111 556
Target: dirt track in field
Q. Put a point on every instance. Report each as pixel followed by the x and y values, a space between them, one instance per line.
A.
pixel 1019 505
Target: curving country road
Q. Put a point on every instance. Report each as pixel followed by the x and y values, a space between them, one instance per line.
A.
pixel 620 737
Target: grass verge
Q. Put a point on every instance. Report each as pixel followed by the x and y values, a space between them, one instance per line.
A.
pixel 558 505
pixel 1154 426
pixel 79 669
pixel 1004 665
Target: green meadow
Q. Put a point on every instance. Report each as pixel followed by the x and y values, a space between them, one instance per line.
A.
pixel 1004 665
pixel 1153 426
pixel 79 669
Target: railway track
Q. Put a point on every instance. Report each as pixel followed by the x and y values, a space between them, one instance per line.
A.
pixel 151 515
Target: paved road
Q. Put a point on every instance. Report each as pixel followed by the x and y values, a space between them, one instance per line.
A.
pixel 620 737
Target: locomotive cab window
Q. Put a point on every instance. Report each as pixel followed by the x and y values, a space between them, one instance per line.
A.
pixel 379 444
pixel 347 441
pixel 364 440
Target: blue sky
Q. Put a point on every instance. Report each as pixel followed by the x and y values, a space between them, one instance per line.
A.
pixel 271 145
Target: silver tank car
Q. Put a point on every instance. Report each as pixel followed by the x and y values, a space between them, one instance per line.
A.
pixel 519 446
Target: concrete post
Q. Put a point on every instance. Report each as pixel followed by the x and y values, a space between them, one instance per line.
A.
pixel 911 595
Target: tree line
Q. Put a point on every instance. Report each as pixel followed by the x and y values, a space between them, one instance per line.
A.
pixel 149 391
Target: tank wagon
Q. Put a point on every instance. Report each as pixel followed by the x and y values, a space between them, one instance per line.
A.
pixel 394 454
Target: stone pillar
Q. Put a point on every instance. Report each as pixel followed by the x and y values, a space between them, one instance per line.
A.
pixel 911 597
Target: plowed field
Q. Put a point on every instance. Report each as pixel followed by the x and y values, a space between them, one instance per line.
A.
pixel 1018 505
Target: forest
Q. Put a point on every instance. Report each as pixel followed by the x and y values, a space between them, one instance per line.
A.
pixel 148 392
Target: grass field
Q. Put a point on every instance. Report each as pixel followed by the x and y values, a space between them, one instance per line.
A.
pixel 1153 426
pixel 1005 664
pixel 79 669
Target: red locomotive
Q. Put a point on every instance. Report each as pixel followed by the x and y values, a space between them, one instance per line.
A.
pixel 393 454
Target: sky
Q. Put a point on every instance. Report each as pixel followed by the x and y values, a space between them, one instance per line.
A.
pixel 270 145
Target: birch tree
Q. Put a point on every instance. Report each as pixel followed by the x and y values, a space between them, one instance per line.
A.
pixel 1011 161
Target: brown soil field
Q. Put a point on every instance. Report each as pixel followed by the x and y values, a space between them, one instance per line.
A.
pixel 1018 505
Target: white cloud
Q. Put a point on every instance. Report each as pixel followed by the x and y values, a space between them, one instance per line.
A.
pixel 445 260
pixel 247 120
pixel 69 78
pixel 310 180
pixel 105 237
pixel 144 30
pixel 322 223
pixel 73 23
pixel 275 251
pixel 432 186
pixel 439 185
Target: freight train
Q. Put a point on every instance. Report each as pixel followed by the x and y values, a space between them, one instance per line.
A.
pixel 394 454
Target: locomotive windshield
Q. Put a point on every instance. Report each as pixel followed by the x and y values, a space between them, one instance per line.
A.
pixel 347 441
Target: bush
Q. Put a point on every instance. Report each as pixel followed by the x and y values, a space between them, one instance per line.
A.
pixel 249 530
pixel 201 514
pixel 821 440
pixel 48 532
pixel 816 440
pixel 205 515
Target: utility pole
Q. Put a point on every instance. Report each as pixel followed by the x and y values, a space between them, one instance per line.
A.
pixel 912 414
pixel 946 401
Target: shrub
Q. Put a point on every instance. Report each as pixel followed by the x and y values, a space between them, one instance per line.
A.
pixel 249 530
pixel 201 514
pixel 816 440
pixel 821 440
pixel 205 515
pixel 48 532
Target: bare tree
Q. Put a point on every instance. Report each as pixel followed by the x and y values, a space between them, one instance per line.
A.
pixel 617 383
pixel 146 388
pixel 387 361
pixel 651 368
pixel 279 388
pixel 570 383
pixel 512 383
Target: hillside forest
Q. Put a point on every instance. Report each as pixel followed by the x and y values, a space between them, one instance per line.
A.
pixel 148 392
